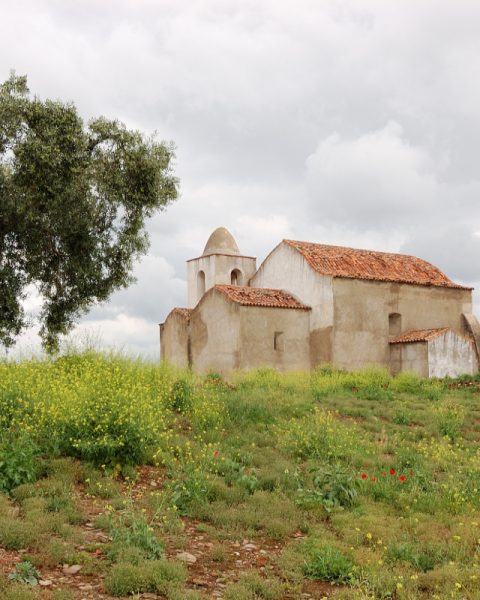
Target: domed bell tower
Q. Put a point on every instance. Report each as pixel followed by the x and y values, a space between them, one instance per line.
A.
pixel 221 262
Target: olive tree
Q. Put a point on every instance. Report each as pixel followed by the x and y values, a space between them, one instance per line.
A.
pixel 74 199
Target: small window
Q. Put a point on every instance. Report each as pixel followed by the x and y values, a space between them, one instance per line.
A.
pixel 394 324
pixel 278 341
pixel 200 284
pixel 236 277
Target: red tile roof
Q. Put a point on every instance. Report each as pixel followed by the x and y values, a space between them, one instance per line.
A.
pixel 337 261
pixel 420 335
pixel 249 296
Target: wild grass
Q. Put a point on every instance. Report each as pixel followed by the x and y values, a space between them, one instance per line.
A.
pixel 365 481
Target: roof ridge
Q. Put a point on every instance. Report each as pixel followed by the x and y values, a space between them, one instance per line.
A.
pixel 255 296
pixel 371 265
pixel 425 335
pixel 363 250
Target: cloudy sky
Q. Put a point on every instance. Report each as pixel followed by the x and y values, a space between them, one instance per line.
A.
pixel 344 122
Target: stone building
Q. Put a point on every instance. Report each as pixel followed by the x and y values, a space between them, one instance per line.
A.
pixel 309 304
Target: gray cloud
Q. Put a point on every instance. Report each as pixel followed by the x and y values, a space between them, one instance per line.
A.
pixel 344 122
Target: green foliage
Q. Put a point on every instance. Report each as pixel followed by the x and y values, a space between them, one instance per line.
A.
pixel 319 436
pixel 130 528
pixel 328 563
pixel 107 410
pixel 371 383
pixel 402 417
pixel 408 382
pixel 333 487
pixel 138 533
pixel 449 417
pixel 74 203
pixel 232 462
pixel 253 587
pixel 423 559
pixel 158 576
pixel 19 592
pixel 18 460
pixel 181 397
pixel 25 572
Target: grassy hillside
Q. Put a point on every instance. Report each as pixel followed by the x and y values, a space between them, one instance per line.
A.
pixel 119 477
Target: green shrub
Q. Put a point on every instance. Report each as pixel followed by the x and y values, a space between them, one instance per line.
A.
pixel 423 558
pixel 254 587
pixel 159 577
pixel 334 486
pixel 407 382
pixel 16 534
pixel 132 529
pixel 181 395
pixel 449 418
pixel 372 383
pixel 25 572
pixel 402 417
pixel 328 563
pixel 106 410
pixel 18 460
pixel 125 579
pixel 320 436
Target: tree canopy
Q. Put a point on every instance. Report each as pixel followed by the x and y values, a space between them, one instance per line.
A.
pixel 74 199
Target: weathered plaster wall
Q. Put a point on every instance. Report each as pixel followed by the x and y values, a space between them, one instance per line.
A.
pixel 215 334
pixel 473 327
pixel 217 269
pixel 285 268
pixel 414 357
pixel 451 355
pixel 258 328
pixel 174 340
pixel 361 310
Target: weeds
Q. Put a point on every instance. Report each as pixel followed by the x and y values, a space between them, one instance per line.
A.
pixel 365 481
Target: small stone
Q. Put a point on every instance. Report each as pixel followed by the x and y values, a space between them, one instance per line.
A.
pixel 186 557
pixel 249 547
pixel 71 570
pixel 45 582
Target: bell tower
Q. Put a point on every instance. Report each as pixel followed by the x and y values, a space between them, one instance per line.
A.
pixel 221 262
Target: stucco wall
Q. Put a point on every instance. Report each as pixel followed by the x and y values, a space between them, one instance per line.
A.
pixel 414 357
pixel 451 355
pixel 258 328
pixel 174 340
pixel 215 334
pixel 362 308
pixel 217 269
pixel 285 268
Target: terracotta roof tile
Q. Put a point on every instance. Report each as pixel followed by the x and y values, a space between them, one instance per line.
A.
pixel 248 296
pixel 420 335
pixel 337 261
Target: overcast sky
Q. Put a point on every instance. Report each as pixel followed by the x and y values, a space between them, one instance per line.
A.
pixel 343 122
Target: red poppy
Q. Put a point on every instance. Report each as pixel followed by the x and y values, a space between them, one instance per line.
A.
pixel 402 477
pixel 364 476
pixel 392 471
pixel 373 478
pixel 215 454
